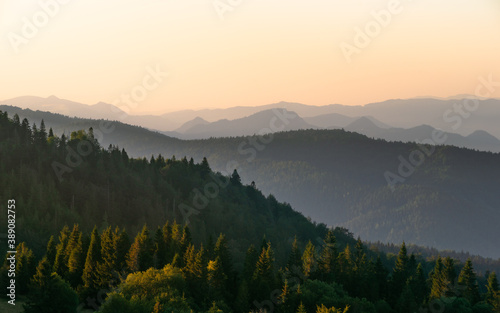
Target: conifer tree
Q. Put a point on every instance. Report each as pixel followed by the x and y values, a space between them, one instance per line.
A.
pixel 61 260
pixel 122 247
pixel 468 280
pixel 328 259
pixel 380 277
pixel 160 249
pixel 51 251
pixel 419 285
pixel 437 284
pixel 309 260
pixel 185 240
pixel 263 277
pixel 46 288
pixel 221 250
pixel 140 256
pixel 25 267
pixel 90 276
pixel 301 308
pixel 76 263
pixel 449 275
pixel 295 258
pixel 235 179
pixel 251 259
pixel 108 258
pixel 493 289
pixel 400 273
pixel 217 279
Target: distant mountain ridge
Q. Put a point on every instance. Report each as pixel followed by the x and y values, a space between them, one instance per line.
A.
pixel 439 113
pixel 338 177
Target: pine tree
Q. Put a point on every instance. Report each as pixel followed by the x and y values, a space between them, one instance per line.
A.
pixel 45 288
pixel 90 276
pixel 25 267
pixel 251 259
pixel 76 263
pixel 185 240
pixel 160 249
pixel 346 268
pixel 167 242
pixel 468 280
pixel 51 251
pixel 284 301
pixel 61 260
pixel 448 276
pixel 328 259
pixel 295 259
pixel 107 263
pixel 140 256
pixel 204 168
pixel 437 284
pixel 419 285
pixel 301 308
pixel 406 302
pixel 263 277
pixel 217 279
pixel 122 247
pixel 235 179
pixel 221 250
pixel 309 260
pixel 400 273
pixel 493 289
pixel 380 277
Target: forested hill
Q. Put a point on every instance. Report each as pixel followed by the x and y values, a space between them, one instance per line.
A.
pixel 449 201
pixel 59 181
pixel 266 256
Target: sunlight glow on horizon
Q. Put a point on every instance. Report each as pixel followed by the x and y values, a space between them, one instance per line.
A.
pixel 262 52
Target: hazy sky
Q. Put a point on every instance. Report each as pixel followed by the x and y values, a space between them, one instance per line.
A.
pixel 250 52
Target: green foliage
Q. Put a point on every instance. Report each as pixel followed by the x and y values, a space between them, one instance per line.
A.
pixel 50 293
pixel 468 281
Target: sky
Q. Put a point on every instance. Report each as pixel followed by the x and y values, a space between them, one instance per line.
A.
pixel 158 56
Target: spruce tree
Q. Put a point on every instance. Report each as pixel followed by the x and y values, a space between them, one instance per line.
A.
pixel 90 276
pixel 468 280
pixel 140 256
pixel 61 260
pixel 25 267
pixel 51 251
pixel 76 263
pixel 221 250
pixel 493 289
pixel 295 258
pixel 107 264
pixel 217 279
pixel 122 247
pixel 437 284
pixel 309 260
pixel 328 259
pixel 448 276
pixel 400 273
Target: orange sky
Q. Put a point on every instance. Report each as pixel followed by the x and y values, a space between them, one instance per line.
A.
pixel 253 53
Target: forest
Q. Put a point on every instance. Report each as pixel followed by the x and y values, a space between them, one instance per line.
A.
pixel 102 231
pixel 337 177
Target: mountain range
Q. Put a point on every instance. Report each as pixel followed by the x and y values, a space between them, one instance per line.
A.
pixel 454 115
pixel 447 199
